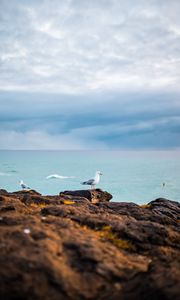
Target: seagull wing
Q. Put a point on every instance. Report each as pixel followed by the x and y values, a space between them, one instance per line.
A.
pixel 89 182
pixel 24 186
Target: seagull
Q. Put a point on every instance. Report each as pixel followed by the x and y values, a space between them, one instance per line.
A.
pixel 94 181
pixel 23 185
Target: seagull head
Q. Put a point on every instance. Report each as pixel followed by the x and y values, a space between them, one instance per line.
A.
pixel 98 172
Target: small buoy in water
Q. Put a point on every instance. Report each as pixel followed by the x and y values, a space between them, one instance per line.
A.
pixel 163 183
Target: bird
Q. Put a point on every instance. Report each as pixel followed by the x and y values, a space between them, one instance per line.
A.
pixel 23 185
pixel 94 181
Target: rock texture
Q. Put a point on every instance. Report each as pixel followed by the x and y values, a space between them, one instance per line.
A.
pixel 78 245
pixel 94 196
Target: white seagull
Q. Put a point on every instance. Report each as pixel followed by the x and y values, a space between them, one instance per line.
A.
pixel 94 181
pixel 23 185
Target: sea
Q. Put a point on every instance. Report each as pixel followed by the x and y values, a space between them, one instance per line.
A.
pixel 130 176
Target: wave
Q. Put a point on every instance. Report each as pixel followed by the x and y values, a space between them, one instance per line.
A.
pixel 5 174
pixel 56 176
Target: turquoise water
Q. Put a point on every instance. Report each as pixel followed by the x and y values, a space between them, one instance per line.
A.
pixel 129 176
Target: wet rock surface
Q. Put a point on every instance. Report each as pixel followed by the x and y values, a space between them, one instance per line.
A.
pixel 78 245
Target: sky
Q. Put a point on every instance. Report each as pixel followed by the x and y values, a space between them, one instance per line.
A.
pixel 80 74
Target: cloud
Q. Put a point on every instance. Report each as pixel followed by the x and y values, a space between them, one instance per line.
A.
pixel 39 140
pixel 157 133
pixel 74 47
pixel 89 74
pixel 116 120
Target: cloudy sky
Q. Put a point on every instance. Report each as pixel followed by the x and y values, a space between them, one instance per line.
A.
pixel 80 74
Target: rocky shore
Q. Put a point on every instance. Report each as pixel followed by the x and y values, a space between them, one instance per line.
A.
pixel 80 245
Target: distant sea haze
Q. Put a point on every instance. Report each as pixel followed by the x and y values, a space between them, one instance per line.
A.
pixel 129 176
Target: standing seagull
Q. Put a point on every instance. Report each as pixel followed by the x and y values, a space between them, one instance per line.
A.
pixel 94 181
pixel 23 185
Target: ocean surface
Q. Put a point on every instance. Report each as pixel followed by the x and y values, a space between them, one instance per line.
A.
pixel 129 176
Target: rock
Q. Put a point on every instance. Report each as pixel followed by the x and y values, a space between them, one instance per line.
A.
pixel 66 247
pixel 35 199
pixel 3 192
pixel 26 192
pixel 95 196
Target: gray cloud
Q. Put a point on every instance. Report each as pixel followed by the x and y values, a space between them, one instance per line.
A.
pixel 96 73
pixel 79 46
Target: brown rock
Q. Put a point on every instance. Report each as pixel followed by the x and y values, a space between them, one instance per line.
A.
pixel 3 192
pixel 95 196
pixel 66 247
